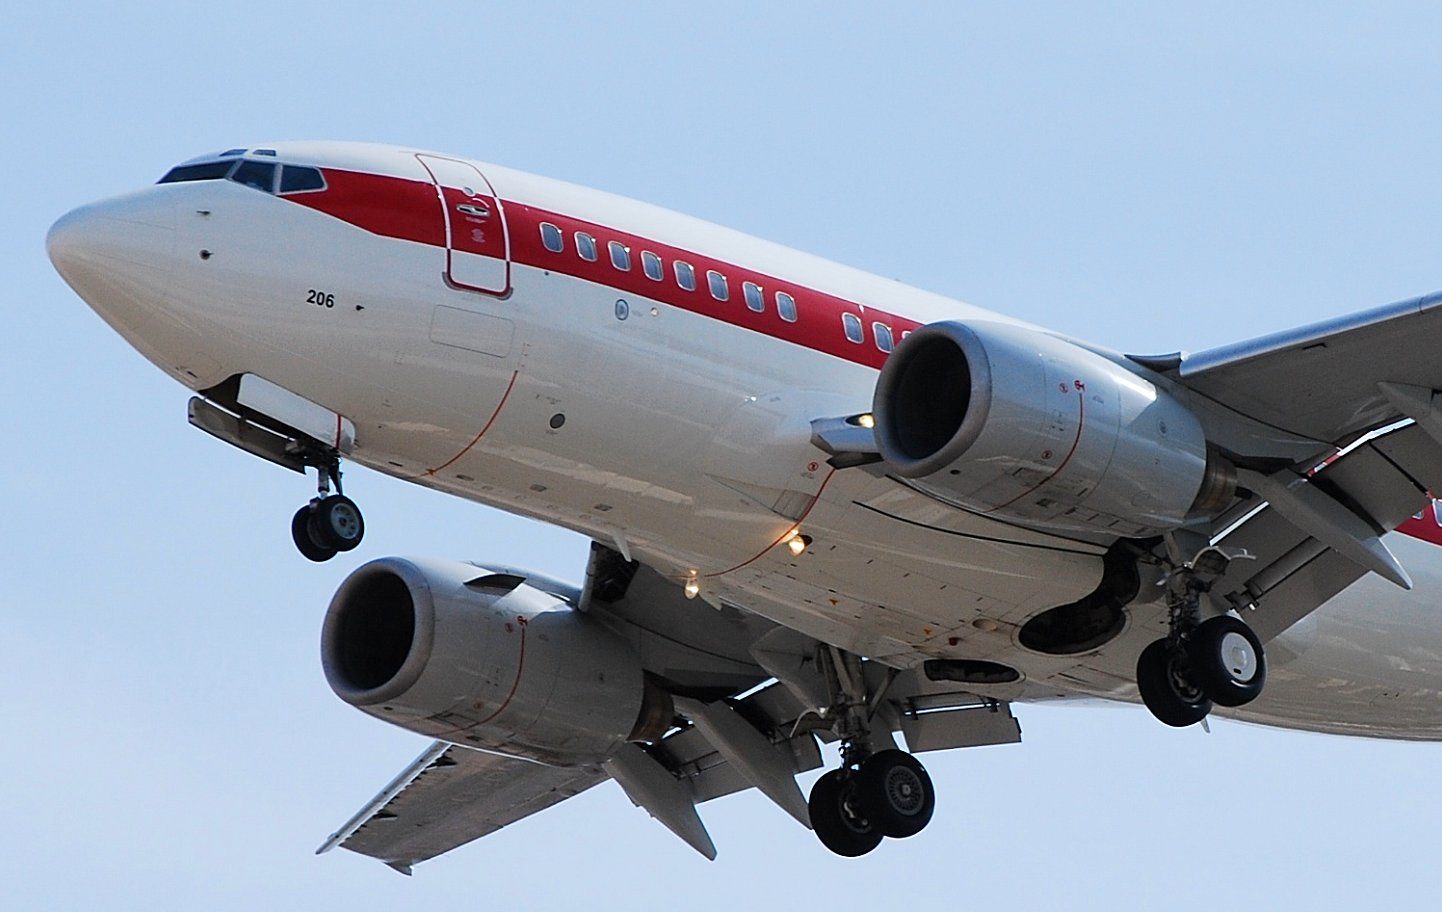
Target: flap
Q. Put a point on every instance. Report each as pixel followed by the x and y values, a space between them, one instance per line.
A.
pixel 451 795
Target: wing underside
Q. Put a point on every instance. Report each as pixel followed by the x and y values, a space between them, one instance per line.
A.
pixel 1367 388
pixel 452 795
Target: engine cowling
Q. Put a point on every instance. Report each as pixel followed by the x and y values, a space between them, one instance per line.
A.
pixel 463 654
pixel 1020 424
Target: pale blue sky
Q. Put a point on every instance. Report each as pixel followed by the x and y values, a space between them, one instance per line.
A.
pixel 1147 178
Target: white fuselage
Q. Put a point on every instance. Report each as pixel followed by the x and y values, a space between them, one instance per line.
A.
pixel 660 420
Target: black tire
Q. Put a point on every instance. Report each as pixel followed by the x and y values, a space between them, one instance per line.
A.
pixel 300 532
pixel 1168 688
pixel 1228 661
pixel 336 523
pixel 895 793
pixel 836 818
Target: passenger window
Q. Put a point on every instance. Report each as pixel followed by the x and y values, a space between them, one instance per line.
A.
pixel 260 175
pixel 717 283
pixel 202 172
pixel 685 276
pixel 295 179
pixel 852 323
pixel 651 264
pixel 882 332
pixel 752 293
pixel 786 306
pixel 551 238
pixel 586 246
pixel 620 256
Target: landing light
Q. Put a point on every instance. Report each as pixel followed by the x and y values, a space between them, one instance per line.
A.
pixel 692 587
pixel 866 420
pixel 797 542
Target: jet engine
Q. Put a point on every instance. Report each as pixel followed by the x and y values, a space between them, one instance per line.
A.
pixel 480 658
pixel 1023 425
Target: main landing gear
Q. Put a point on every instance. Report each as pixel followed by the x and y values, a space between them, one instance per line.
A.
pixel 1219 661
pixel 876 793
pixel 886 794
pixel 330 523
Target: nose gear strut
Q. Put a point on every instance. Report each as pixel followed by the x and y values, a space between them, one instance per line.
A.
pixel 330 523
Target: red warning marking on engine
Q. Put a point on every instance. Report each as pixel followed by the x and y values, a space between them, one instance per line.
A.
pixel 515 685
pixel 1080 423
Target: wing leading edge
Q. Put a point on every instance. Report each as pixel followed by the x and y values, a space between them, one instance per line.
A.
pixel 1321 381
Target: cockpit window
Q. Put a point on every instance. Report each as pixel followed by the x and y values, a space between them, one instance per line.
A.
pixel 260 175
pixel 202 172
pixel 232 153
pixel 296 179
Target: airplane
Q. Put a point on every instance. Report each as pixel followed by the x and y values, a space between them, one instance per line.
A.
pixel 824 507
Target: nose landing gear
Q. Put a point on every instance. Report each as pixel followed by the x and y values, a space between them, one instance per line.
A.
pixel 1198 664
pixel 330 523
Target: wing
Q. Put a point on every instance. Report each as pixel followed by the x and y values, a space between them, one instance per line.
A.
pixel 1321 381
pixel 1312 530
pixel 451 795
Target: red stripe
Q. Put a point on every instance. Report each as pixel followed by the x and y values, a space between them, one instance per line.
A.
pixel 390 206
pixel 819 315
pixel 1424 527
pixel 406 209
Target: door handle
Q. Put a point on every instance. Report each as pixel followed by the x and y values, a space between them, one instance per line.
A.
pixel 473 209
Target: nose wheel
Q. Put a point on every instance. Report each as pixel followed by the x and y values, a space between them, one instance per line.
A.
pixel 330 523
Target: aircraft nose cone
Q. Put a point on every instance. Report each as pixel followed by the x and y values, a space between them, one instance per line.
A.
pixel 66 243
pixel 116 254
pixel 137 229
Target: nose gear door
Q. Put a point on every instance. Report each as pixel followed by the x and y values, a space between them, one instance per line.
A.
pixel 478 246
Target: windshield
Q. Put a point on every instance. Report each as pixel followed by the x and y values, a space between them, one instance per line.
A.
pixel 203 171
pixel 260 175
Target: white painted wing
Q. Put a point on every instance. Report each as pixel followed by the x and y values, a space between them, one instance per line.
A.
pixel 1320 381
pixel 451 795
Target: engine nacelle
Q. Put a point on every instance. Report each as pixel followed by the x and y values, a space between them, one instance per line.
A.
pixel 462 654
pixel 1019 424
